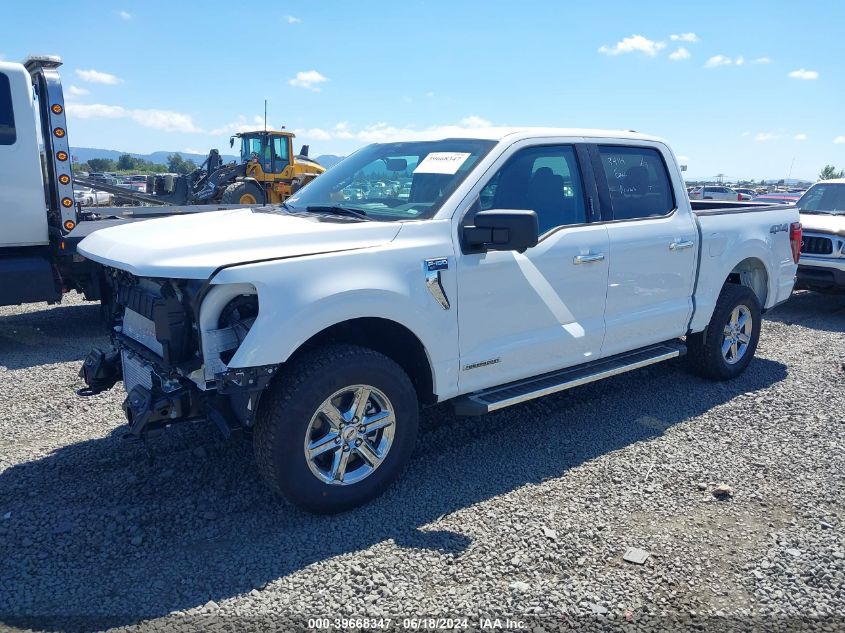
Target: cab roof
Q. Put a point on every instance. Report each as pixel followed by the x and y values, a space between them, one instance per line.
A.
pixel 514 134
pixel 268 132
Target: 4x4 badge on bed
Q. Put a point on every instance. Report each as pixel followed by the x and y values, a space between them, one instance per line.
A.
pixel 432 268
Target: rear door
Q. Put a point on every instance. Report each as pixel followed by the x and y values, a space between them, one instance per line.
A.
pixel 653 247
pixel 523 314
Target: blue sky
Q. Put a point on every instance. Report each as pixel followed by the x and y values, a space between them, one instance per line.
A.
pixel 742 88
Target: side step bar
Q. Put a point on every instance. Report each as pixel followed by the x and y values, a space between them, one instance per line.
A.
pixel 495 398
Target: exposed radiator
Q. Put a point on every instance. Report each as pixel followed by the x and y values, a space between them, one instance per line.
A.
pixel 135 372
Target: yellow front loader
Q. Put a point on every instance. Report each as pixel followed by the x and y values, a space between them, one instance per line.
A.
pixel 270 170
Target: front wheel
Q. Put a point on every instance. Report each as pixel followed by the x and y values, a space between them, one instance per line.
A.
pixel 727 345
pixel 243 192
pixel 336 428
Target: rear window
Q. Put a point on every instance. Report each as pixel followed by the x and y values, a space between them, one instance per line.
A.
pixel 638 181
pixel 7 115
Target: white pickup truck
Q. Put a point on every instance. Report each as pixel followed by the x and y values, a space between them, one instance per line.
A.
pixel 519 265
pixel 822 265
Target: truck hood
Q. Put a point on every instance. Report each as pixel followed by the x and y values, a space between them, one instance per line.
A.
pixel 824 223
pixel 194 246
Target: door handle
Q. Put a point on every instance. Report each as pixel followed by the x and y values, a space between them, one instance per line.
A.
pixel 681 245
pixel 586 259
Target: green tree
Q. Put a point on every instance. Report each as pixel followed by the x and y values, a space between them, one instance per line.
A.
pixel 829 173
pixel 127 163
pixel 101 164
pixel 178 165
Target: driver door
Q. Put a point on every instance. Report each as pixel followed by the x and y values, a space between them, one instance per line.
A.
pixel 524 314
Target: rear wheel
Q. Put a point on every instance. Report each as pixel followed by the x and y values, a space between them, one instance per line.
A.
pixel 336 428
pixel 728 344
pixel 243 192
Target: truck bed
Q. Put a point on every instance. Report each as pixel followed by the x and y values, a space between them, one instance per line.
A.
pixel 718 207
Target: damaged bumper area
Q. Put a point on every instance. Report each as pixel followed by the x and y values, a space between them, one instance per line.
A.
pixel 172 356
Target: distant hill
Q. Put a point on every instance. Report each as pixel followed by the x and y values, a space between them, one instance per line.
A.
pixel 329 160
pixel 84 154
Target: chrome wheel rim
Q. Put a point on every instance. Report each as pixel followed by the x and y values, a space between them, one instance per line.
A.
pixel 350 435
pixel 737 334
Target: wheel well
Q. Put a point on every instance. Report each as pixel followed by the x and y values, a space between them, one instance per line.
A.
pixel 751 273
pixel 386 337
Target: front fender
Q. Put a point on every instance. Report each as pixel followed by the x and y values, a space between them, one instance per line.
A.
pixel 299 298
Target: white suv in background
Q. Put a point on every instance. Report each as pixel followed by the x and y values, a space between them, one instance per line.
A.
pixel 714 192
pixel 822 265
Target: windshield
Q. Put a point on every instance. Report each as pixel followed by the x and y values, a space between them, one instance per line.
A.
pixel 824 198
pixel 250 147
pixel 395 181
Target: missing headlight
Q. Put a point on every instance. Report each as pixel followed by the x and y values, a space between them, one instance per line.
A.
pixel 239 315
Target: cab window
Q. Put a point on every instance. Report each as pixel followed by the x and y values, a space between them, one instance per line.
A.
pixel 7 116
pixel 280 154
pixel 544 179
pixel 638 181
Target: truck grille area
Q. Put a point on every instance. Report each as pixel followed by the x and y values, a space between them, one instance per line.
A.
pixel 154 316
pixel 135 372
pixel 141 329
pixel 812 245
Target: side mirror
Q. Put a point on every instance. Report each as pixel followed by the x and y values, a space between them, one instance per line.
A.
pixel 396 164
pixel 502 230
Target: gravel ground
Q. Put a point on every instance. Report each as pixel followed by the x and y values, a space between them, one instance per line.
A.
pixel 524 514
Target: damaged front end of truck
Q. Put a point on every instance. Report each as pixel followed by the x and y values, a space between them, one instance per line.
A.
pixel 172 342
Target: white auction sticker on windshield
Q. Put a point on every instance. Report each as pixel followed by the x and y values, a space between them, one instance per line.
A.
pixel 442 163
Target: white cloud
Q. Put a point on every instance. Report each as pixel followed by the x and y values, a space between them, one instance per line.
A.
pixel 241 124
pixel 191 150
pixel 839 140
pixel 762 60
pixel 800 137
pixel 740 60
pixel 407 99
pixel 765 136
pixel 634 44
pixel 164 120
pixel 684 37
pixel 429 94
pixel 746 134
pixel 97 77
pixel 718 60
pixel 308 79
pixel 96 111
pixel 383 132
pixel 681 53
pixel 314 134
pixel 292 19
pixel 125 15
pixel 803 73
pixel 683 158
pixel 76 91
pixel 475 122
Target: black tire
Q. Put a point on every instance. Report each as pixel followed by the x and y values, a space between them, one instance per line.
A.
pixel 243 192
pixel 704 349
pixel 292 401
